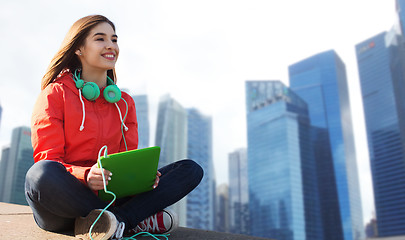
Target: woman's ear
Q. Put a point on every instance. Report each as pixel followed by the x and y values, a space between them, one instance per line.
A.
pixel 78 52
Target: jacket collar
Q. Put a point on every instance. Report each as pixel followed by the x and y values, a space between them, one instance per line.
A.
pixel 66 78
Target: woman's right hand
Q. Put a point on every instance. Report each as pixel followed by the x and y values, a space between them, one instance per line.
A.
pixel 95 178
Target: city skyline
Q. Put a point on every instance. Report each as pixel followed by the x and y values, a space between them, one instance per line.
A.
pixel 18 158
pixel 205 52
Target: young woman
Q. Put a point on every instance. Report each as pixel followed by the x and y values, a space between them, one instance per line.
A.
pixel 78 111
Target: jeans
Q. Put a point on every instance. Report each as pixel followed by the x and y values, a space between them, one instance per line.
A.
pixel 56 197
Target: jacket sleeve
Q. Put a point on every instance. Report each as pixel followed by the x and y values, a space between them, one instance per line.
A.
pixel 47 130
pixel 131 136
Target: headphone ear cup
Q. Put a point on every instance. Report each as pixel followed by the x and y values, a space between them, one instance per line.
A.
pixel 79 83
pixel 91 91
pixel 112 94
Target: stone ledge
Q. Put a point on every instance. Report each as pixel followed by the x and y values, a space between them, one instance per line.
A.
pixel 16 222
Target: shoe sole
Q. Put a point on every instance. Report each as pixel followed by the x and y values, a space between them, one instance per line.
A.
pixel 174 220
pixel 102 230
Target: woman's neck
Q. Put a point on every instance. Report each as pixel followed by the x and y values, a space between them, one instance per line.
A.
pixel 98 77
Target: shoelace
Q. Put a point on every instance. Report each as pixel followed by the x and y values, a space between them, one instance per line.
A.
pixel 147 226
pixel 143 234
pixel 119 232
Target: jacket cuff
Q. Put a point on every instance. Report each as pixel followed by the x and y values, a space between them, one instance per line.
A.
pixel 80 173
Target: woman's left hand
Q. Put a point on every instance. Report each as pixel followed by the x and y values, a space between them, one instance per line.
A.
pixel 158 174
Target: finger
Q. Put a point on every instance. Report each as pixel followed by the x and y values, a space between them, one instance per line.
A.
pixel 96 171
pixel 97 178
pixel 156 182
pixel 97 186
pixel 101 171
pixel 107 178
pixel 99 182
pixel 107 173
pixel 159 174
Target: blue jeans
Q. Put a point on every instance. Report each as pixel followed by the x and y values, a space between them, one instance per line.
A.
pixel 56 197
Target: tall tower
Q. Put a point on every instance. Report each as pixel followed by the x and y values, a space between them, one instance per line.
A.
pixel 142 114
pixel 19 160
pixel 5 152
pixel 321 82
pixel 201 201
pixel 238 192
pixel 381 69
pixel 400 7
pixel 171 136
pixel 283 193
pixel 222 209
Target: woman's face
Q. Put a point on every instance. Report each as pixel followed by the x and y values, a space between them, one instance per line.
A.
pixel 100 50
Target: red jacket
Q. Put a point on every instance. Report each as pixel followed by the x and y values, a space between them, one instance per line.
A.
pixel 56 120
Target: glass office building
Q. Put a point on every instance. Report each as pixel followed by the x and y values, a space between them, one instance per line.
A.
pixel 222 209
pixel 400 7
pixel 171 131
pixel 142 115
pixel 3 170
pixel 381 69
pixel 321 82
pixel 171 136
pixel 201 201
pixel 283 195
pixel 15 164
pixel 238 192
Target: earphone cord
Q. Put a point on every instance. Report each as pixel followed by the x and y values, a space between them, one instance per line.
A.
pixel 105 189
pixel 84 112
pixel 114 198
pixel 122 122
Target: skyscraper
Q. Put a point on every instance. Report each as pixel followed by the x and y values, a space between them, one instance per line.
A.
pixel 171 136
pixel 3 170
pixel 142 114
pixel 381 68
pixel 283 193
pixel 321 82
pixel 400 7
pixel 238 192
pixel 17 163
pixel 222 209
pixel 201 201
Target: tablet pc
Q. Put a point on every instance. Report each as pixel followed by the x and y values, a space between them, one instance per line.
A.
pixel 133 172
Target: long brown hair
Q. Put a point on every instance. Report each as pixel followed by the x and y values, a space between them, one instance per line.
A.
pixel 66 58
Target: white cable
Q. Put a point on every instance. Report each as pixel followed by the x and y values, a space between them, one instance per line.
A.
pixel 119 112
pixel 84 112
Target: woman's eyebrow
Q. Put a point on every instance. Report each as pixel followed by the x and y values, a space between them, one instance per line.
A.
pixel 103 34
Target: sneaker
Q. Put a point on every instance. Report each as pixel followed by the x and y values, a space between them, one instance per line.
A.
pixel 107 226
pixel 160 223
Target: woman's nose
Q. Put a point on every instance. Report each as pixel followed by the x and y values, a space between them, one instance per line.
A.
pixel 110 44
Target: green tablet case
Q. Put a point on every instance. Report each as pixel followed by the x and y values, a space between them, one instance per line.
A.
pixel 133 172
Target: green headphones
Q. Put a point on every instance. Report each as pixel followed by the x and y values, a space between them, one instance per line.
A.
pixel 91 91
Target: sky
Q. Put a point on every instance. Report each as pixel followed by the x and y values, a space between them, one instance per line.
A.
pixel 199 52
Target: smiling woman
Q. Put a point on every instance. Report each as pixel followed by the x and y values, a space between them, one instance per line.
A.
pixel 61 186
pixel 76 38
pixel 98 53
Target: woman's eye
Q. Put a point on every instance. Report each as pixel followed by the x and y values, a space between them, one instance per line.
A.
pixel 114 40
pixel 100 39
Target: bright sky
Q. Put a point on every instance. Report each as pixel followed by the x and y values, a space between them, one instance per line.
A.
pixel 201 52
